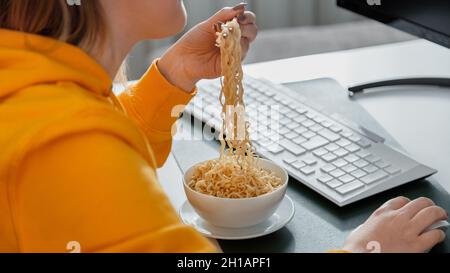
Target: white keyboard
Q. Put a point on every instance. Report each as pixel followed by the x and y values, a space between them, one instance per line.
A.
pixel 339 161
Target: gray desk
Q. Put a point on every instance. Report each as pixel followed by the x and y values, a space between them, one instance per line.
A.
pixel 421 127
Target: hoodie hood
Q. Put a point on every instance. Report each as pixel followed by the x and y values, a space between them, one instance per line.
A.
pixel 27 60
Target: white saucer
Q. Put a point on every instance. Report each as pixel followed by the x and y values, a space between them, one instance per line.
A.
pixel 279 219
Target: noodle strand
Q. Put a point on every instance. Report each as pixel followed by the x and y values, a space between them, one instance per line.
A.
pixel 235 174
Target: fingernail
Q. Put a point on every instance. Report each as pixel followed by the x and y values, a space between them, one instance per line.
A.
pixel 240 6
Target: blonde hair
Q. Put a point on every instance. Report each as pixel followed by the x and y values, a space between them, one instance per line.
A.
pixel 78 25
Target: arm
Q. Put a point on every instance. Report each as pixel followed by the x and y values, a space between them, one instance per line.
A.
pixel 96 190
pixel 150 103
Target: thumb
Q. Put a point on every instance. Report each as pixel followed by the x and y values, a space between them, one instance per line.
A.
pixel 226 14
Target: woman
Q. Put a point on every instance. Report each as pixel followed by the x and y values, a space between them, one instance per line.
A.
pixel 78 164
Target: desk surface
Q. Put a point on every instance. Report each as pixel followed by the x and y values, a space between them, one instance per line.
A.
pixel 390 109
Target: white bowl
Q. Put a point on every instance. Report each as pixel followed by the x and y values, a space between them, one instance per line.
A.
pixel 237 213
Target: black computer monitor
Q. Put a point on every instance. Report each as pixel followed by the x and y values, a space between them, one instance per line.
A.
pixel 428 19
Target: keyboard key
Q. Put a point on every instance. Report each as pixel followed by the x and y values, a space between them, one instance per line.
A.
pixel 364 143
pixel 265 142
pixel 370 168
pixel 285 121
pixel 355 185
pixel 311 115
pixel 337 173
pixel 315 143
pixel 346 178
pixel 361 163
pixel 372 158
pixel 343 142
pixel 309 134
pixel 308 170
pixel 341 152
pixel 299 140
pixel 329 157
pixel 363 153
pixel 285 102
pixel 316 128
pixel 352 148
pixel 329 135
pixel 320 152
pixel 349 168
pixel 318 119
pixel 310 161
pixel 292 147
pixel 289 160
pixel 382 164
pixel 339 163
pixel 284 130
pixel 334 184
pixel 275 148
pixel 392 170
pixel 268 93
pixel 332 147
pixel 335 128
pixel 346 134
pixel 308 123
pixel 284 110
pixel 326 123
pixel 298 165
pixel 328 168
pixel 351 158
pixel 278 98
pixel 292 115
pixel 291 135
pixel 354 138
pixel 301 130
pixel 358 173
pixel 325 178
pixel 374 177
pixel 292 125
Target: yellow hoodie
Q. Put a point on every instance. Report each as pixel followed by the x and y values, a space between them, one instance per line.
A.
pixel 78 165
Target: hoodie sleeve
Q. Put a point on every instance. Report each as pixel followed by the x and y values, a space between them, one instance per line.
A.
pixel 156 104
pixel 94 189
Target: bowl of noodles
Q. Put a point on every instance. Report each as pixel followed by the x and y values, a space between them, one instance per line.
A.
pixel 238 189
pixel 227 194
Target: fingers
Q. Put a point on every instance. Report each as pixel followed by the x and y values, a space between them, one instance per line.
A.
pixel 428 216
pixel 247 17
pixel 245 45
pixel 430 238
pixel 391 205
pixel 226 14
pixel 396 203
pixel 249 31
pixel 413 207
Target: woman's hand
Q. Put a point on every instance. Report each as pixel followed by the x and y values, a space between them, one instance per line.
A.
pixel 195 56
pixel 399 226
